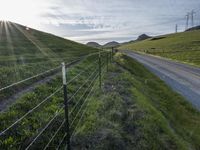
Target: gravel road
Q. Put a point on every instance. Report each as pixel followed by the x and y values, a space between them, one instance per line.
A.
pixel 183 78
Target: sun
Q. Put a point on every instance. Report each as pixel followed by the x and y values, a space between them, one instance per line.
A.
pixel 20 11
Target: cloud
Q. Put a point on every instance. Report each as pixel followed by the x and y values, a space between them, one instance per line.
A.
pixel 103 20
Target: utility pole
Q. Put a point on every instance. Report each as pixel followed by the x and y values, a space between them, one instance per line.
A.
pixel 187 20
pixel 176 28
pixel 192 17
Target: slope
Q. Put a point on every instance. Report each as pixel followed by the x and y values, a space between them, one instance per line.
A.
pixel 25 52
pixel 184 47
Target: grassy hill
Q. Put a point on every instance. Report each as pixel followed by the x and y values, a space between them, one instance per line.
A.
pixel 94 44
pixel 184 47
pixel 111 44
pixel 25 52
pixel 19 45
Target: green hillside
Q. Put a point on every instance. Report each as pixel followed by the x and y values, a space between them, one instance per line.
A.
pixel 25 52
pixel 184 47
pixel 21 46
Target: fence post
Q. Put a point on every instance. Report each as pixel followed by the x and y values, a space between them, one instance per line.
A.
pixel 111 56
pixel 99 69
pixel 112 53
pixel 107 60
pixel 66 105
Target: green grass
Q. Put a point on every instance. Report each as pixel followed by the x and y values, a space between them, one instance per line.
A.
pixel 23 133
pixel 183 47
pixel 26 53
pixel 136 110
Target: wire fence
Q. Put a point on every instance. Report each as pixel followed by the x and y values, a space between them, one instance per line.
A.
pixel 73 112
pixel 68 64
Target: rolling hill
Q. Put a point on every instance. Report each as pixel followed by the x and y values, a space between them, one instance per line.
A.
pixel 25 52
pixel 183 47
pixel 93 44
pixel 21 45
pixel 143 37
pixel 111 44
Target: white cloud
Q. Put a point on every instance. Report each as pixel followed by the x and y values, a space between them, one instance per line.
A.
pixel 100 20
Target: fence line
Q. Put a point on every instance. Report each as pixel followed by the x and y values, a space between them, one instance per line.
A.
pixel 80 73
pixel 53 137
pixel 76 115
pixel 79 120
pixel 91 79
pixel 48 124
pixel 30 111
pixel 70 99
pixel 89 95
pixel 82 95
pixel 43 73
pixel 42 102
pixel 71 111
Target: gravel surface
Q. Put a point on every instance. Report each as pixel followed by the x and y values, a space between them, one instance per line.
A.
pixel 183 78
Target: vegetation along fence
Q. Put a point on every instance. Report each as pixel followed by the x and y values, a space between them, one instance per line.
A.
pixel 25 130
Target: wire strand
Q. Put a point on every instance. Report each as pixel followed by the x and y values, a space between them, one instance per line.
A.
pixel 43 73
pixel 22 81
pixel 30 111
pixel 52 138
pixel 47 125
pixel 82 95
pixel 82 115
pixel 79 74
pixel 87 80
pixel 70 125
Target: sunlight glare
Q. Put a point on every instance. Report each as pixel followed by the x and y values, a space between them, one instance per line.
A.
pixel 22 11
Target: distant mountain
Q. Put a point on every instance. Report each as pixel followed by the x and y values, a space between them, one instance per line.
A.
pixel 143 37
pixel 93 44
pixel 194 28
pixel 111 44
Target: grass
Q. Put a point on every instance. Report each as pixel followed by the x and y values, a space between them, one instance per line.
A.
pixel 183 47
pixel 136 110
pixel 24 53
pixel 23 133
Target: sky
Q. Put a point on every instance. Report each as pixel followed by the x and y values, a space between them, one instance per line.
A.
pixel 101 20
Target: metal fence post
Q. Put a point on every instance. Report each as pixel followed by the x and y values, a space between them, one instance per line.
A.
pixel 99 69
pixel 66 105
pixel 112 52
pixel 111 56
pixel 107 60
